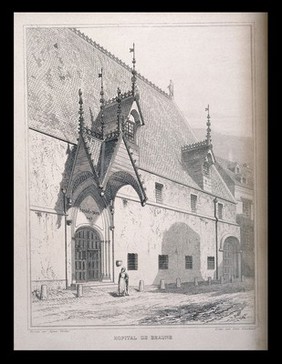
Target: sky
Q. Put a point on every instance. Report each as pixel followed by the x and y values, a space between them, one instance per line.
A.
pixel 207 64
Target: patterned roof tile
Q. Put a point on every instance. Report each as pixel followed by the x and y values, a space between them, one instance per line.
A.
pixel 59 62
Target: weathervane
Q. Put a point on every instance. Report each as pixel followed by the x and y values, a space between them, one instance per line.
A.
pixel 133 78
pixel 208 138
pixel 102 101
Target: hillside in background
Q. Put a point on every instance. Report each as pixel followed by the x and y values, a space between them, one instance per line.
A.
pixel 233 148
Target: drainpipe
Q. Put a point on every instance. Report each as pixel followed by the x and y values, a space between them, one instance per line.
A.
pixel 216 238
pixel 66 243
pixel 112 210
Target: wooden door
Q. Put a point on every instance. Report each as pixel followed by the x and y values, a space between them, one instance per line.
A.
pixel 87 255
pixel 230 264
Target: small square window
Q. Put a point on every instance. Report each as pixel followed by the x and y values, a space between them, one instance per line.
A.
pixel 163 261
pixel 188 262
pixel 132 261
pixel 211 263
pixel 220 211
pixel 193 203
pixel 247 207
pixel 159 192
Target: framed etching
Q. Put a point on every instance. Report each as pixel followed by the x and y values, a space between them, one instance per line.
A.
pixel 140 181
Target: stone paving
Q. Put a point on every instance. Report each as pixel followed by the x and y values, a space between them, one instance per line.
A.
pixel 100 305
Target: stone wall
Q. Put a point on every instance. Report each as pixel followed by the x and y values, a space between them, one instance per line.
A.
pixel 170 228
pixel 156 230
pixel 47 250
pixel 50 162
pixel 48 169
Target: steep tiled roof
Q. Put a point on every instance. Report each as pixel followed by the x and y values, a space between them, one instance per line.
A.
pixel 218 187
pixel 60 61
pixel 93 145
pixel 110 146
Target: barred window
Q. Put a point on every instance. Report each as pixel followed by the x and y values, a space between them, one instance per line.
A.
pixel 247 207
pixel 220 210
pixel 188 262
pixel 132 261
pixel 128 130
pixel 211 262
pixel 206 169
pixel 163 261
pixel 159 192
pixel 193 203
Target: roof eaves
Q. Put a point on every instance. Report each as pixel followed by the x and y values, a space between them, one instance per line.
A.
pixel 86 147
pixel 232 198
pixel 135 170
pixel 105 178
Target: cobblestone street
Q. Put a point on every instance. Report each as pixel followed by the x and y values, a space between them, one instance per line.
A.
pixel 100 305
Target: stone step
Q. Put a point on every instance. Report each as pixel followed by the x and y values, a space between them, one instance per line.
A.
pixel 98 284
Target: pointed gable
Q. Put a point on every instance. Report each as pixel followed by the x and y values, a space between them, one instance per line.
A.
pixel 105 152
pixel 198 158
pixel 123 170
pixel 82 168
pixel 119 167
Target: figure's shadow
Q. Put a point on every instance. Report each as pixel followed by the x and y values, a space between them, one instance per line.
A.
pixel 115 294
pixel 179 241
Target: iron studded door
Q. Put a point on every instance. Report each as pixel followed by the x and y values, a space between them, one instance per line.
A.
pixel 87 255
pixel 229 261
pixel 94 257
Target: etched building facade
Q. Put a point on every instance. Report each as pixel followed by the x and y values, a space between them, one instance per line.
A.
pixel 239 179
pixel 116 176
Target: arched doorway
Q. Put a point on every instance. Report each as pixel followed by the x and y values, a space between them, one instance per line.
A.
pixel 231 259
pixel 87 255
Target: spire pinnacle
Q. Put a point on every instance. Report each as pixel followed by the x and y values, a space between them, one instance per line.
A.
pixel 80 112
pixel 133 78
pixel 102 102
pixel 208 137
pixel 118 98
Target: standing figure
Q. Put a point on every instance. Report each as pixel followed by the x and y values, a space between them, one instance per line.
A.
pixel 123 281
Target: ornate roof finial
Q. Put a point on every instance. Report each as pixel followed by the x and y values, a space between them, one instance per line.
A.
pixel 80 112
pixel 118 98
pixel 208 137
pixel 171 89
pixel 133 78
pixel 102 102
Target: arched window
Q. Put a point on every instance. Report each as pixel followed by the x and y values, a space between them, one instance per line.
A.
pixel 130 126
pixel 129 129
